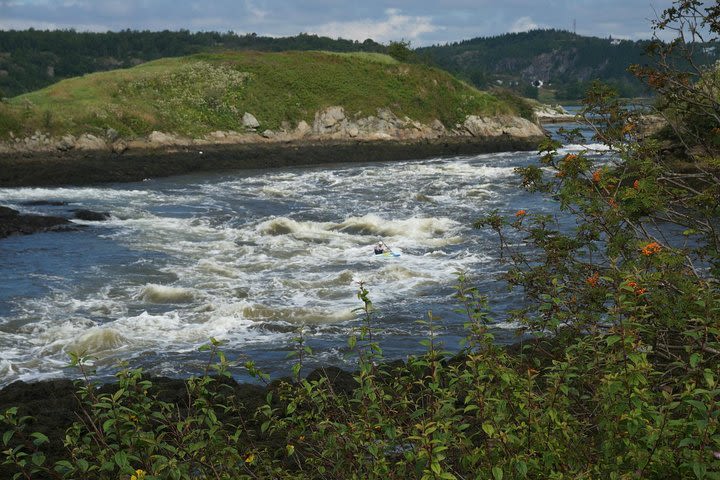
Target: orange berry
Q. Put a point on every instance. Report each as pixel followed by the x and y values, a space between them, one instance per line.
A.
pixel 651 249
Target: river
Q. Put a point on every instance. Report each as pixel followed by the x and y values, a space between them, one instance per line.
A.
pixel 251 257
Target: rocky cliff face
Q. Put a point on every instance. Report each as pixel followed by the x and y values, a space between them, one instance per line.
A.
pixel 332 123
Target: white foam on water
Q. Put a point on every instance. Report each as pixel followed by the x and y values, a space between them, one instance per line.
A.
pixel 165 294
pixel 239 268
pixel 589 147
pixel 96 195
pixel 96 340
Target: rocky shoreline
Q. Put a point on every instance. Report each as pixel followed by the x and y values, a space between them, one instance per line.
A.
pixel 43 160
pixel 25 169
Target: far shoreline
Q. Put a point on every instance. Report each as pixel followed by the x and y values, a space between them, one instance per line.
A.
pixel 81 167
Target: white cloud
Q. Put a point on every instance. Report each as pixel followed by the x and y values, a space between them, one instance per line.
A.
pixel 395 26
pixel 524 24
pixel 257 13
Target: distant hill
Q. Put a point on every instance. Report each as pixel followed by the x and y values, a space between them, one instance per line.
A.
pixel 32 59
pixel 207 92
pixel 564 63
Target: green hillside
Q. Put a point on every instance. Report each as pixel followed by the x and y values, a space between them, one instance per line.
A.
pixel 564 62
pixel 205 92
pixel 33 59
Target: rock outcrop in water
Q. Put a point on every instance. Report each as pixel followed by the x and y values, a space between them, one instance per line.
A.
pixel 90 216
pixel 14 223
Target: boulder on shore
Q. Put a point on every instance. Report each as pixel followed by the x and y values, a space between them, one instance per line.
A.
pixel 249 121
pixel 329 120
pixel 303 129
pixel 161 138
pixel 88 141
pixel 506 125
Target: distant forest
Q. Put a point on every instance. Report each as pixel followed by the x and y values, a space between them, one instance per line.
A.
pixel 32 59
pixel 556 60
pixel 553 64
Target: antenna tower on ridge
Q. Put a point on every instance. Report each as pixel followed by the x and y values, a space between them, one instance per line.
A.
pixel 574 26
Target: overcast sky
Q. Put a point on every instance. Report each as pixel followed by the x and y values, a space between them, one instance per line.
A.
pixel 422 22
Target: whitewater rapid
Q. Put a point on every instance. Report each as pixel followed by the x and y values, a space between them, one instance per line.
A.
pixel 250 258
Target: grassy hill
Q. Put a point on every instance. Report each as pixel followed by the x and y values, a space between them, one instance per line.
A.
pixel 33 59
pixel 211 91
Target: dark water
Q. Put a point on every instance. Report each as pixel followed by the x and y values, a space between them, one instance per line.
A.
pixel 250 258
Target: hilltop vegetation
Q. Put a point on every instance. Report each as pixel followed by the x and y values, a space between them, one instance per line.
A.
pixel 206 92
pixel 566 63
pixel 34 59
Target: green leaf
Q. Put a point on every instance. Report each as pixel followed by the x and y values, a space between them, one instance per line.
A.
pixel 612 339
pixel 521 468
pixel 39 438
pixel 290 449
pixel 488 428
pixel 38 458
pixel 121 460
pixel 699 469
pixel 265 426
pixel 709 378
pixel 497 473
pixel 62 466
pixel 698 405
pixel 7 436
pixel 695 359
pixel 107 425
pixel 117 395
pixel 292 406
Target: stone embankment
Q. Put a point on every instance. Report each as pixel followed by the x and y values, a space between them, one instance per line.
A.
pixel 333 137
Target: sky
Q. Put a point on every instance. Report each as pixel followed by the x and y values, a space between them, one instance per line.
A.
pixel 421 22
